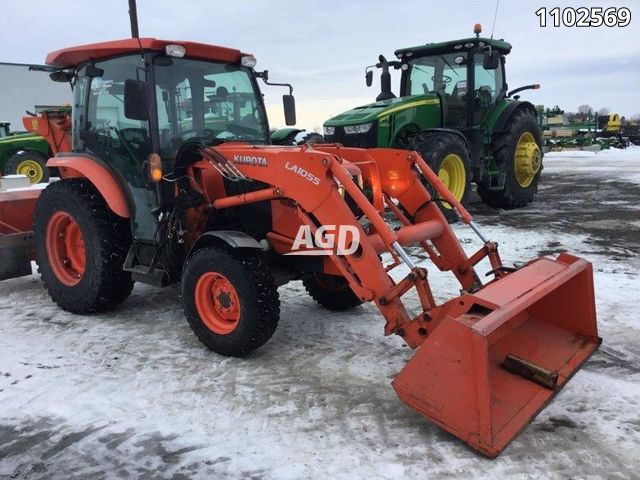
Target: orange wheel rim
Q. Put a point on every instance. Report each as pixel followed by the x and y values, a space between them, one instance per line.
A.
pixel 65 248
pixel 217 303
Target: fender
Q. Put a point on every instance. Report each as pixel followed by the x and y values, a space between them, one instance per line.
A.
pixel 509 110
pixel 452 132
pixel 232 238
pixel 73 165
pixel 280 135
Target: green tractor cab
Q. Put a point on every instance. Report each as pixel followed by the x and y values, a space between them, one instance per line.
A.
pixel 456 110
pixel 4 129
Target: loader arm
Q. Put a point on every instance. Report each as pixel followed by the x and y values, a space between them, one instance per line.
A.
pixel 489 359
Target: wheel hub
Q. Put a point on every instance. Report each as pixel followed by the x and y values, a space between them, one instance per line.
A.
pixel 217 303
pixel 32 169
pixel 453 174
pixel 527 159
pixel 65 248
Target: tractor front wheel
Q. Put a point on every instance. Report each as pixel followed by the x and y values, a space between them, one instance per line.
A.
pixel 230 300
pixel 30 163
pixel 331 291
pixel 81 247
pixel 518 155
pixel 448 156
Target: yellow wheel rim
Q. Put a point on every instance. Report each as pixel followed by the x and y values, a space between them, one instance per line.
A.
pixel 454 176
pixel 31 169
pixel 526 159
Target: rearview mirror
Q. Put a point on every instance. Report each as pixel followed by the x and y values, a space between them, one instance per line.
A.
pixel 369 77
pixel 136 105
pixel 491 60
pixel 289 103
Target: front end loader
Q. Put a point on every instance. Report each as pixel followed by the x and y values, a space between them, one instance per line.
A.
pixel 172 180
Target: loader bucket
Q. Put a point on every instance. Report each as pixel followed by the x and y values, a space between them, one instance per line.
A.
pixel 501 354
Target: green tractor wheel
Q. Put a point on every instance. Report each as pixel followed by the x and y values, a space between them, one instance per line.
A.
pixel 448 156
pixel 518 154
pixel 30 163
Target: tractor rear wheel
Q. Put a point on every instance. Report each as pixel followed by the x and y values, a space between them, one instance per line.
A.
pixel 81 247
pixel 230 300
pixel 518 154
pixel 331 291
pixel 30 163
pixel 448 156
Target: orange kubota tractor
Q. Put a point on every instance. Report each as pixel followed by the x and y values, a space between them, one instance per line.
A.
pixel 172 179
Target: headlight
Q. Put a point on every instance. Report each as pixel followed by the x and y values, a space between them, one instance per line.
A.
pixel 329 130
pixel 362 128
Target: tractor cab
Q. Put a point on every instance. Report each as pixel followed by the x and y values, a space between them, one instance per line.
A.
pixel 139 102
pixel 4 129
pixel 466 75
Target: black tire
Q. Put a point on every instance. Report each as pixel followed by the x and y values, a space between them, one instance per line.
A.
pixel 310 138
pixel 17 159
pixel 255 288
pixel 513 195
pixel 107 238
pixel 435 147
pixel 331 291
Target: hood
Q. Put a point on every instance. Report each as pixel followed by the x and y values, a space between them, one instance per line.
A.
pixel 18 137
pixel 372 111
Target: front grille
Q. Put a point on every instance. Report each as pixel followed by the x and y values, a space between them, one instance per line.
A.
pixel 358 140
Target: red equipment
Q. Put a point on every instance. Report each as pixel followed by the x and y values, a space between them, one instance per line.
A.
pixel 54 125
pixel 487 360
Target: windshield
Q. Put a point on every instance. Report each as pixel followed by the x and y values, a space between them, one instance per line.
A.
pixel 438 73
pixel 206 101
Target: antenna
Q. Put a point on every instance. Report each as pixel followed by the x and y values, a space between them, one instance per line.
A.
pixel 133 17
pixel 495 15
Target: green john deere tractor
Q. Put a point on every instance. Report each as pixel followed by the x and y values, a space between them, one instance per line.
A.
pixel 455 109
pixel 23 153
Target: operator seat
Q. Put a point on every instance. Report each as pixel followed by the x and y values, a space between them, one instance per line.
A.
pixel 222 92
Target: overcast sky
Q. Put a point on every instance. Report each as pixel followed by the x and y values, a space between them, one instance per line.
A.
pixel 323 47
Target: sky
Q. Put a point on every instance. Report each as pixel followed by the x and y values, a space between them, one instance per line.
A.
pixel 322 48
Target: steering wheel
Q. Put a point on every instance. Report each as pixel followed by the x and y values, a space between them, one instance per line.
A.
pixel 446 79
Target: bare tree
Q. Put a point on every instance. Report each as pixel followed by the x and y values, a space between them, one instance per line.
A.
pixel 585 109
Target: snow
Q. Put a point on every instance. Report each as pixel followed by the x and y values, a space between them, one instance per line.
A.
pixel 615 163
pixel 133 394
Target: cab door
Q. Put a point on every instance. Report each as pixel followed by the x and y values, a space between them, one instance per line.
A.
pixel 102 130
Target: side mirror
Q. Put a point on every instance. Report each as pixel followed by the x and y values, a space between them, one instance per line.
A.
pixel 136 104
pixel 491 60
pixel 369 77
pixel 289 103
pixel 60 76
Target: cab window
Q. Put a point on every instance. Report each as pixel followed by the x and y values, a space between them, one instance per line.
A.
pixel 206 101
pixel 106 131
pixel 488 82
pixel 439 74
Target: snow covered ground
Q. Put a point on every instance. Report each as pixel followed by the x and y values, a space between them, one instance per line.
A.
pixel 134 395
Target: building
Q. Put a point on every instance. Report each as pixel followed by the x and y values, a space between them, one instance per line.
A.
pixel 22 89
